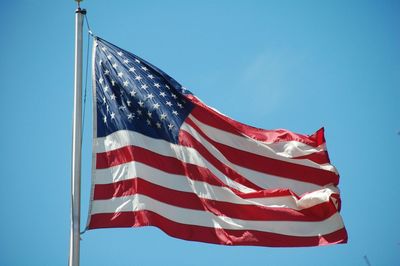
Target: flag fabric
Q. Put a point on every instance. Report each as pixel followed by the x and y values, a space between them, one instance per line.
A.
pixel 163 158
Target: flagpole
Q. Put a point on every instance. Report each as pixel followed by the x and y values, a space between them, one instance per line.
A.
pixel 74 246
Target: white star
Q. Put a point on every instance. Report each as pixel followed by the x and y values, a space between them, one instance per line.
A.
pixel 150 76
pixel 112 115
pixel 148 122
pixel 170 126
pixel 106 88
pixel 141 103
pixel 122 107
pixel 156 106
pixel 106 72
pixel 103 48
pixel 104 99
pixel 113 97
pixel 144 68
pixel 126 83
pixel 150 96
pixel 180 105
pixel 120 53
pixel 101 80
pixel 108 108
pixel 109 57
pixel 166 86
pixel 105 119
pixel 131 116
pixel 173 96
pixel 126 61
pixel 157 85
pixel 132 69
pixel 163 94
pixel 100 62
pixel 113 82
pixel 144 86
pixel 175 112
pixel 128 102
pixel 169 103
pixel 133 93
pixel 138 78
pixel 137 61
pixel 120 74
pixel 158 124
pixel 149 114
pixel 163 116
pixel 115 65
pixel 139 112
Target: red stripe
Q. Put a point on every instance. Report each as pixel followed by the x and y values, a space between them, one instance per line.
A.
pixel 320 157
pixel 177 167
pixel 164 163
pixel 190 200
pixel 174 166
pixel 187 140
pixel 212 235
pixel 210 117
pixel 259 163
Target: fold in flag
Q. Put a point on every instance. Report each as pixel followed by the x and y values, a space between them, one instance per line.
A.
pixel 163 158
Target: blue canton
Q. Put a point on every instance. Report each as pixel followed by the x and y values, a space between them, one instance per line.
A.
pixel 132 94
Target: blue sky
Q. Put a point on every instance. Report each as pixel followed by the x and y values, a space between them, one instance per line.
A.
pixel 297 65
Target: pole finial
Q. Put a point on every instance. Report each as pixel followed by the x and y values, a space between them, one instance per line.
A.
pixel 79 3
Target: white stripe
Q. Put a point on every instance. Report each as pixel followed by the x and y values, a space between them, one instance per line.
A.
pixel 201 218
pixel 189 155
pixel 204 190
pixel 185 154
pixel 283 151
pixel 321 147
pixel 260 179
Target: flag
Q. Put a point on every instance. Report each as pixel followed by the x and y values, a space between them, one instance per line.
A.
pixel 162 157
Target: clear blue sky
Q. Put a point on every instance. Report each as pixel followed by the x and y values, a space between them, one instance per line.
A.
pixel 297 65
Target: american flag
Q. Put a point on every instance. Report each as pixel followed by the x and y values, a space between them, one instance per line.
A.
pixel 163 158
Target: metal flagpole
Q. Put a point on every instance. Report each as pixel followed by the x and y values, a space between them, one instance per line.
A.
pixel 76 143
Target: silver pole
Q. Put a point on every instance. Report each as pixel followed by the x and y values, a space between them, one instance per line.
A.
pixel 76 144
